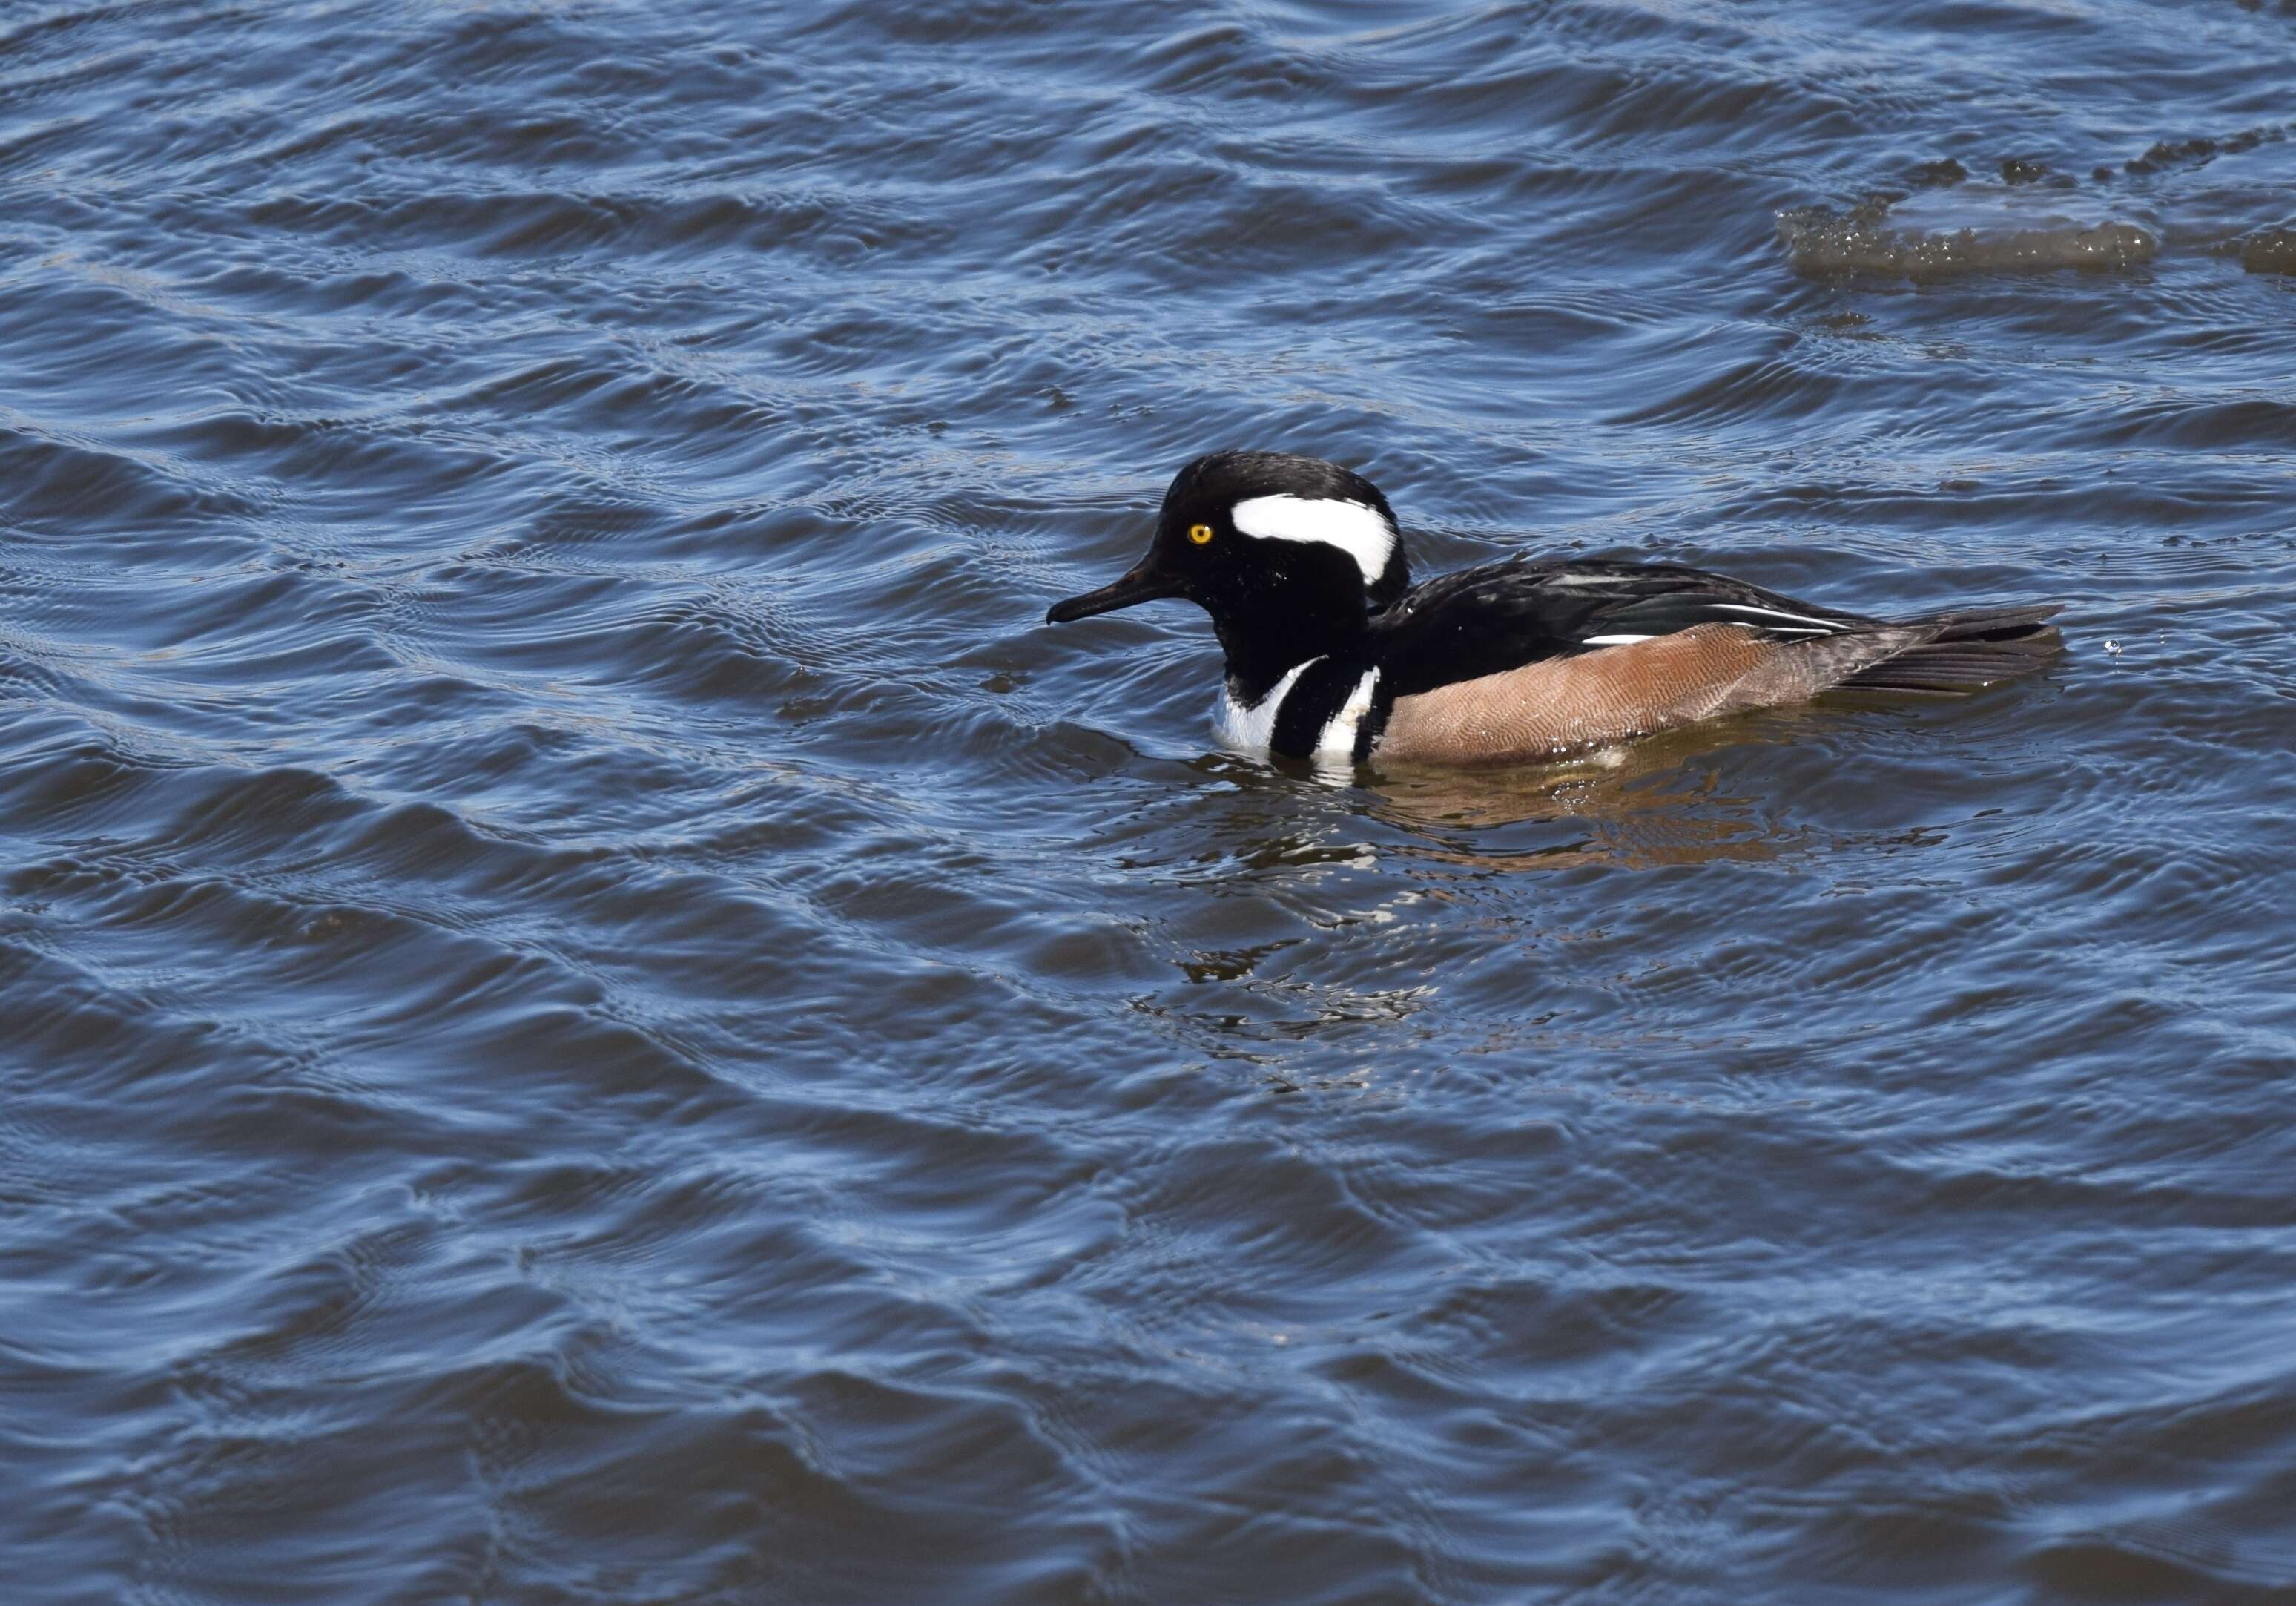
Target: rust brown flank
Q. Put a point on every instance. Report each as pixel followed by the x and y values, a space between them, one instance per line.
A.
pixel 1567 704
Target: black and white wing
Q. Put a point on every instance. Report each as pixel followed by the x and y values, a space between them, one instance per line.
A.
pixel 1500 616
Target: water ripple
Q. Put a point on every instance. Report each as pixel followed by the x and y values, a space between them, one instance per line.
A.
pixel 596 1009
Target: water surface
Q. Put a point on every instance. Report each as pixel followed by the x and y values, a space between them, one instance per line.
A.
pixel 592 1008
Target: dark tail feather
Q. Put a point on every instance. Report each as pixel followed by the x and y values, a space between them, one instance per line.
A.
pixel 1972 647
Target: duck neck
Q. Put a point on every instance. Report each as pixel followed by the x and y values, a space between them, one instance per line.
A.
pixel 1263 651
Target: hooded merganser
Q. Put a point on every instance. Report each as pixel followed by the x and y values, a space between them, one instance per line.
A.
pixel 1333 654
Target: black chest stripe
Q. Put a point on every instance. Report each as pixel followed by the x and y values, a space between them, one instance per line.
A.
pixel 1375 720
pixel 1318 694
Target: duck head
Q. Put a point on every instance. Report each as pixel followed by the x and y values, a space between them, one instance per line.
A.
pixel 1289 556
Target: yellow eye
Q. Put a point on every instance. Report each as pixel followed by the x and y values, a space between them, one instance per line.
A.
pixel 1202 534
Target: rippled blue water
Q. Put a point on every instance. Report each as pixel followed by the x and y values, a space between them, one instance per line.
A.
pixel 593 1009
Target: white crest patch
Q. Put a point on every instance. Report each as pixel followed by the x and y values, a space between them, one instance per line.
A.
pixel 1251 727
pixel 1355 529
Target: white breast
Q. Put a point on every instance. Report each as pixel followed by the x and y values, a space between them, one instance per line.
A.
pixel 1250 727
pixel 1337 739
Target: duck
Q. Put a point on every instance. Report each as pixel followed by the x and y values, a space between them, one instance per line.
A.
pixel 1334 654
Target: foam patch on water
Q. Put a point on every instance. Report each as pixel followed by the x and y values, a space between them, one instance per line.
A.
pixel 1968 228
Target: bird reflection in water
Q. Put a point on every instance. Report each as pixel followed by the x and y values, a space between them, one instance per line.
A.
pixel 1643 804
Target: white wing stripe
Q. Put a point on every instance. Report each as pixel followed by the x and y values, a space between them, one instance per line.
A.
pixel 1826 625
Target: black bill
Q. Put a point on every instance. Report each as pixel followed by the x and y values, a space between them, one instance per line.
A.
pixel 1143 583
